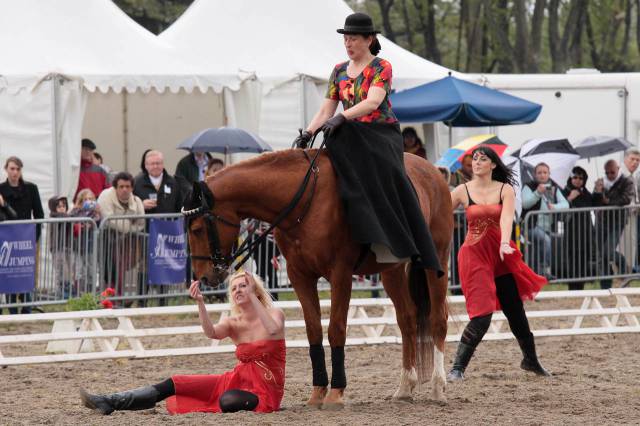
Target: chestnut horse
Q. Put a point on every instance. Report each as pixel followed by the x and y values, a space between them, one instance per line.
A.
pixel 316 242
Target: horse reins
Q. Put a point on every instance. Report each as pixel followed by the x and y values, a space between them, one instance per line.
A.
pixel 250 245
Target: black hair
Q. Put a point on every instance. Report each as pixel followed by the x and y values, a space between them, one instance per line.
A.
pixel 213 161
pixel 501 173
pixel 410 131
pixel 121 176
pixel 144 157
pixel 375 47
pixel 579 171
pixel 97 155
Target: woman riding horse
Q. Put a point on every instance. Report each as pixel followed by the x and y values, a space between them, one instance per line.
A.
pixel 359 212
pixel 366 150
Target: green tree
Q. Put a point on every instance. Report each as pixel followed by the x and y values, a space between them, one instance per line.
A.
pixel 154 15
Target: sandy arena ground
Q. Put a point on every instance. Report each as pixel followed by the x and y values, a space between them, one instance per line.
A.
pixel 597 381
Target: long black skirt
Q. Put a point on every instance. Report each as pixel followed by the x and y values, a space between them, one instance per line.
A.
pixel 381 205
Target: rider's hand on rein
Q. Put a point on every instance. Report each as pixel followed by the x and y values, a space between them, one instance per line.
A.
pixel 303 139
pixel 330 126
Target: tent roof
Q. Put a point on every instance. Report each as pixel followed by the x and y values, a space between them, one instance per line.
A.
pixel 97 42
pixel 279 40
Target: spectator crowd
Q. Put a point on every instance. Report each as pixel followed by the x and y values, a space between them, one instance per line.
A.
pixel 575 245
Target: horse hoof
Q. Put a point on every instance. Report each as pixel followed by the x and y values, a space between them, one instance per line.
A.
pixel 438 396
pixel 402 398
pixel 317 397
pixel 334 400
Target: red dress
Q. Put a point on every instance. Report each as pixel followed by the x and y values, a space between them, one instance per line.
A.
pixel 260 370
pixel 479 262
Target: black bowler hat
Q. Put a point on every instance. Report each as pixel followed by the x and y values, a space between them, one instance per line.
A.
pixel 358 23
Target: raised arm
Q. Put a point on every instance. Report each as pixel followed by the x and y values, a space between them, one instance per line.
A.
pixel 218 331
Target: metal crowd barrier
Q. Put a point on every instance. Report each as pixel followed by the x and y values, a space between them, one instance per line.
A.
pixel 583 244
pixel 76 256
pixel 65 262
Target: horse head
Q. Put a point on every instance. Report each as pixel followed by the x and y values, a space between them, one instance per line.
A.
pixel 211 237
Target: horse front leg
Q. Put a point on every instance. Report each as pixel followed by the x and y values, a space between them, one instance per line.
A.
pixel 340 298
pixel 306 290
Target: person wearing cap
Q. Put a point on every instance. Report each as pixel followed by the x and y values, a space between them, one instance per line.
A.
pixel 365 146
pixel 91 176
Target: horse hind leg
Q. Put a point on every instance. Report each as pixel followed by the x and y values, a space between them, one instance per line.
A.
pixel 394 282
pixel 438 325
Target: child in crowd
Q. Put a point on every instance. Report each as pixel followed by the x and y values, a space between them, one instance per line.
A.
pixel 85 205
pixel 60 242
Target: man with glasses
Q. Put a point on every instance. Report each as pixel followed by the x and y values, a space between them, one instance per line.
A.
pixel 614 189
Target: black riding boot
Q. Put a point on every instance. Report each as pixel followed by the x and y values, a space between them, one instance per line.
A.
pixel 530 359
pixel 137 399
pixel 463 356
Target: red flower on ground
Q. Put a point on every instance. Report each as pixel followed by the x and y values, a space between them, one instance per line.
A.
pixel 110 291
pixel 107 304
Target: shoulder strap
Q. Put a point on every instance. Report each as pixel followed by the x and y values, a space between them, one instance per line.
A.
pixel 471 202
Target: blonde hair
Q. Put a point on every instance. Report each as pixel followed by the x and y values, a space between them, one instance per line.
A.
pixel 82 195
pixel 263 295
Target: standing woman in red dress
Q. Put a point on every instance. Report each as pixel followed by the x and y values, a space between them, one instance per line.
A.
pixel 492 272
pixel 255 384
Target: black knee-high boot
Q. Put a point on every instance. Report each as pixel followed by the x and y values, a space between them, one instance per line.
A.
pixel 513 309
pixel 471 337
pixel 137 399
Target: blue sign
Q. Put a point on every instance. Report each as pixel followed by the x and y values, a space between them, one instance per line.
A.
pixel 167 252
pixel 17 258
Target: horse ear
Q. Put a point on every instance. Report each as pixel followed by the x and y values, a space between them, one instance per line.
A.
pixel 205 195
pixel 196 191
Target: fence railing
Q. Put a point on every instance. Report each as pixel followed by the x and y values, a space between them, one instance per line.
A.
pixel 76 256
pixel 583 244
pixel 110 333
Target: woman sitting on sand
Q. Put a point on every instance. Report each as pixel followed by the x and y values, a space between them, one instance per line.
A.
pixel 255 384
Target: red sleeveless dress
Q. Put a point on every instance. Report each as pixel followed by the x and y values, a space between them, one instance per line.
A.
pixel 260 370
pixel 479 262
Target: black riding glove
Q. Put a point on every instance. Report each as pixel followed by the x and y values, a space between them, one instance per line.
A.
pixel 302 140
pixel 330 126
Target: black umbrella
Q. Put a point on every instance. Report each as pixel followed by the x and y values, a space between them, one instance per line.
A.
pixel 225 140
pixel 558 154
pixel 597 146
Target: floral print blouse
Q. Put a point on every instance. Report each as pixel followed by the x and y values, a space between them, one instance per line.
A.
pixel 350 91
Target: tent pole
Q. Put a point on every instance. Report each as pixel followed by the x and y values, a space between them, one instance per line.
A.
pixel 450 136
pixel 303 101
pixel 54 134
pixel 125 130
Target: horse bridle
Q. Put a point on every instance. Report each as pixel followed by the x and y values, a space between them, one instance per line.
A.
pixel 222 263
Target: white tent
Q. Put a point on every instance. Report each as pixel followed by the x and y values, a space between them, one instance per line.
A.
pixel 291 45
pixel 54 54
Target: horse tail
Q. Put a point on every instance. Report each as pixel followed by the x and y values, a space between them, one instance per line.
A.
pixel 419 291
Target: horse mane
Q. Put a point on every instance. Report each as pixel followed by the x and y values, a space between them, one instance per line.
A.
pixel 279 159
